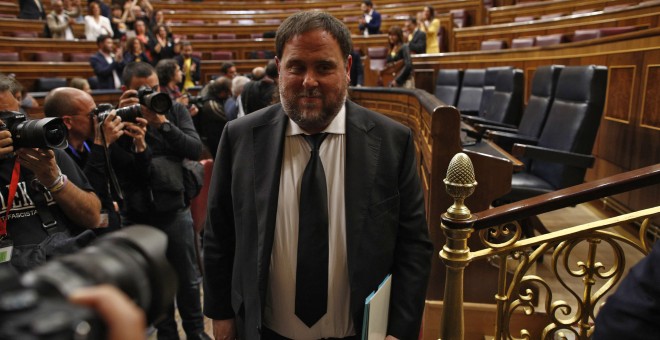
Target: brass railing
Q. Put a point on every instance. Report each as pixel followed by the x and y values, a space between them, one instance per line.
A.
pixel 501 235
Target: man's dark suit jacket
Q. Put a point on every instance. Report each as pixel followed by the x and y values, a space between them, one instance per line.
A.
pixel 373 27
pixel 418 42
pixel 103 70
pixel 195 75
pixel 386 230
pixel 30 10
pixel 633 311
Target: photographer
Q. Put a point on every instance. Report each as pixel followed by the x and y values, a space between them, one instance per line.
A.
pixel 212 118
pixel 161 200
pixel 169 75
pixel 90 140
pixel 53 203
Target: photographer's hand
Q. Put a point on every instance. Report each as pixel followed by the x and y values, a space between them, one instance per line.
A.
pixel 113 128
pixel 137 131
pixel 6 146
pixel 124 319
pixel 82 207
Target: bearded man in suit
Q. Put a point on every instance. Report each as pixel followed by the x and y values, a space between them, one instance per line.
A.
pixel 371 217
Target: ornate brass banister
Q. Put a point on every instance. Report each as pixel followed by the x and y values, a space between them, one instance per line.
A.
pixel 501 235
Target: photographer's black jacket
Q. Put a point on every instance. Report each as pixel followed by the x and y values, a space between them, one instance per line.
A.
pixel 154 197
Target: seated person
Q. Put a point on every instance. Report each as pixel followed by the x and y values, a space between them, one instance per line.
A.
pixel 54 203
pixel 261 93
pixel 399 51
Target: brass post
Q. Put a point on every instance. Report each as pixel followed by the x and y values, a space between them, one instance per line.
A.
pixel 457 227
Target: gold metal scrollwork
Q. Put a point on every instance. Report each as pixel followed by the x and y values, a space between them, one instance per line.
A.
pixel 502 235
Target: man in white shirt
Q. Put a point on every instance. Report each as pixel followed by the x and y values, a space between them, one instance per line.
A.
pixel 367 218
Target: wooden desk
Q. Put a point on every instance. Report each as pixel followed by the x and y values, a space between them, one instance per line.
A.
pixel 436 129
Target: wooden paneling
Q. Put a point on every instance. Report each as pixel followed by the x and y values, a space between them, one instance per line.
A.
pixel 650 115
pixel 620 83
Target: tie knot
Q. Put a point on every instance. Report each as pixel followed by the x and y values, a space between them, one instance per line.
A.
pixel 315 140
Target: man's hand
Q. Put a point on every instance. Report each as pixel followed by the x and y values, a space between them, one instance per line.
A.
pixel 124 319
pixel 137 131
pixel 113 128
pixel 224 329
pixel 6 142
pixel 129 98
pixel 41 162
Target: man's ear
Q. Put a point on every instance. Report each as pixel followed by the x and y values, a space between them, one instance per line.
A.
pixel 349 63
pixel 68 120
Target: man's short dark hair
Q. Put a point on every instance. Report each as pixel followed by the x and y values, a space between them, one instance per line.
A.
pixel 224 68
pixel 412 20
pixel 102 38
pixel 368 3
pixel 218 85
pixel 166 69
pixel 186 43
pixel 303 22
pixel 271 69
pixel 136 69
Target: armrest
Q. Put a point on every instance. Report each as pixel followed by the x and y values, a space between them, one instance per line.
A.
pixel 489 127
pixel 551 155
pixel 465 113
pixel 506 139
pixel 474 120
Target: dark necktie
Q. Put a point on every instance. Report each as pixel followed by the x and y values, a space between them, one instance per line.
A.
pixel 312 268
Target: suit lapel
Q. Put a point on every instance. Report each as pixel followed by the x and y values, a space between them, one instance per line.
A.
pixel 362 157
pixel 268 142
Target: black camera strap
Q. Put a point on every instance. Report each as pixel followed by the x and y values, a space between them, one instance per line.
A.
pixel 114 183
pixel 37 193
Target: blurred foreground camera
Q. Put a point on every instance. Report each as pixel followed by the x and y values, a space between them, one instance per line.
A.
pixel 34 306
pixel 35 133
pixel 156 101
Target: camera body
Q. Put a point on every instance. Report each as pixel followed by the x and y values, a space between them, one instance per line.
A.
pixel 155 101
pixel 35 305
pixel 48 133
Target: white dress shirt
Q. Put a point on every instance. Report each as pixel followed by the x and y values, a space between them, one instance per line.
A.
pixel 279 313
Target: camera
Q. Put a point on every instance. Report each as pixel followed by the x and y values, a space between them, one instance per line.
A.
pixel 155 101
pixel 34 305
pixel 35 133
pixel 127 114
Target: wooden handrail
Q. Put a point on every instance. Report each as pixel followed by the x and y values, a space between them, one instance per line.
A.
pixel 568 197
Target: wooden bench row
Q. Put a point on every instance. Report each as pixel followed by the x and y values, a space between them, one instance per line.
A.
pixel 470 38
pixel 241 48
pixel 536 9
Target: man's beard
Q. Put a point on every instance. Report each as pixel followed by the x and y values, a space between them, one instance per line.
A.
pixel 311 122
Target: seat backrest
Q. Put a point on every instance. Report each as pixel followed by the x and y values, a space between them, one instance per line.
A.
pixel 377 56
pixel 80 57
pixel 222 55
pixel 581 35
pixel 573 121
pixel 48 56
pixel 202 36
pixel 494 44
pixel 461 17
pixel 523 42
pixel 9 56
pixel 506 101
pixel 550 39
pixel 489 86
pixel 225 36
pixel 472 89
pixel 524 18
pixel 448 85
pixel 47 84
pixel 540 100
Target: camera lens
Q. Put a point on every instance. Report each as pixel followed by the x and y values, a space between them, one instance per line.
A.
pixel 132 259
pixel 158 102
pixel 129 113
pixel 41 133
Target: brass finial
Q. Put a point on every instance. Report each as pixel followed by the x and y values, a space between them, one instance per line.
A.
pixel 460 184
